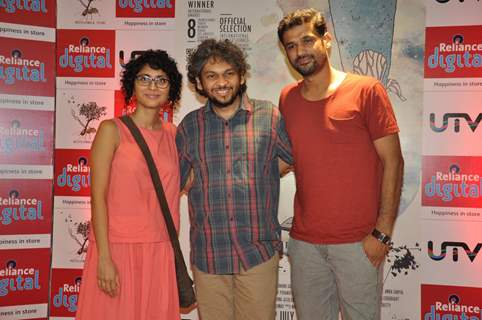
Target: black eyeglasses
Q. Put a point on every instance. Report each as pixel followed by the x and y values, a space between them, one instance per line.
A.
pixel 145 81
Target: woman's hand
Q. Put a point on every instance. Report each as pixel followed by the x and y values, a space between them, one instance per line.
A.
pixel 107 277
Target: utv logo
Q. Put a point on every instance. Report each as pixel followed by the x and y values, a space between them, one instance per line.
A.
pixel 465 118
pixel 456 246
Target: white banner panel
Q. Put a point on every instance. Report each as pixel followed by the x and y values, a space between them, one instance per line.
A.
pixel 453 12
pixel 29 311
pixel 79 113
pixel 452 253
pixel 452 123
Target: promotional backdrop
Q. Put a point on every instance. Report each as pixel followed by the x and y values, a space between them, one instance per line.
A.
pixel 70 54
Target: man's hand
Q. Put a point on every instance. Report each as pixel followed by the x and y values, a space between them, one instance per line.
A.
pixel 284 168
pixel 375 250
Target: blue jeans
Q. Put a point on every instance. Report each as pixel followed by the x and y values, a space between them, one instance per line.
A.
pixel 327 279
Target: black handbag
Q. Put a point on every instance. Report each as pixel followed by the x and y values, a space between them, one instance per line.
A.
pixel 187 297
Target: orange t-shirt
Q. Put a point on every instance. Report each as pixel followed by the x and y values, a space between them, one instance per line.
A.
pixel 338 172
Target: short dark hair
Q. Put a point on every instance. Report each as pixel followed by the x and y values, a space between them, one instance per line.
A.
pixel 224 50
pixel 156 59
pixel 298 18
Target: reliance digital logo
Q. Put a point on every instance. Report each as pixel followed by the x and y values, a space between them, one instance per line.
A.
pixel 456 247
pixel 21 6
pixel 18 209
pixel 455 54
pixel 86 53
pixel 441 302
pixel 16 68
pixel 145 8
pixel 453 309
pixel 75 177
pixel 14 278
pixel 82 56
pixel 17 139
pixel 67 296
pixel 452 181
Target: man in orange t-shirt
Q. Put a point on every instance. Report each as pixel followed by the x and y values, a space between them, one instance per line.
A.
pixel 348 167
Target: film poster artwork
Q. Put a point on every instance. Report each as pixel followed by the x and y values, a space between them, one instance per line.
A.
pixel 24 283
pixel 64 292
pixel 79 113
pixel 85 59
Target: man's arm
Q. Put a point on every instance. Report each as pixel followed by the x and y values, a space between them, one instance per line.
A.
pixel 184 163
pixel 388 149
pixel 284 151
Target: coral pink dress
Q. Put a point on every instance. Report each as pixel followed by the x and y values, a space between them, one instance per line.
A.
pixel 139 243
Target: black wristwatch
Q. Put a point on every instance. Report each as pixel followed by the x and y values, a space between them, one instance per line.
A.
pixel 382 237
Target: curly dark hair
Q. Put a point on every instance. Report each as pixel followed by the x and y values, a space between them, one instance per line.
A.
pixel 224 50
pixel 298 18
pixel 156 59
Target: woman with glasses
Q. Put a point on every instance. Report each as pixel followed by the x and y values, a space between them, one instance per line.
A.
pixel 129 269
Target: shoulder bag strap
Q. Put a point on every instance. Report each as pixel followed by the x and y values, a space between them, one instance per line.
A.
pixel 156 181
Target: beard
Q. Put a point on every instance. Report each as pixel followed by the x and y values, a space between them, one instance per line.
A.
pixel 226 103
pixel 310 68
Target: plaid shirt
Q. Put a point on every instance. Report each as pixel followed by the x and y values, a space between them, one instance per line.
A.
pixel 233 202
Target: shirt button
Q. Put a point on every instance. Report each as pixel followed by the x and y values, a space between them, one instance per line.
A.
pixel 231 219
pixel 226 123
pixel 227 147
pixel 228 171
pixel 229 194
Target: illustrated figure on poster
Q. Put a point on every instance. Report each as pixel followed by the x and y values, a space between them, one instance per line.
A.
pixel 349 169
pixel 129 270
pixel 89 10
pixel 89 111
pixel 232 150
pixel 370 56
